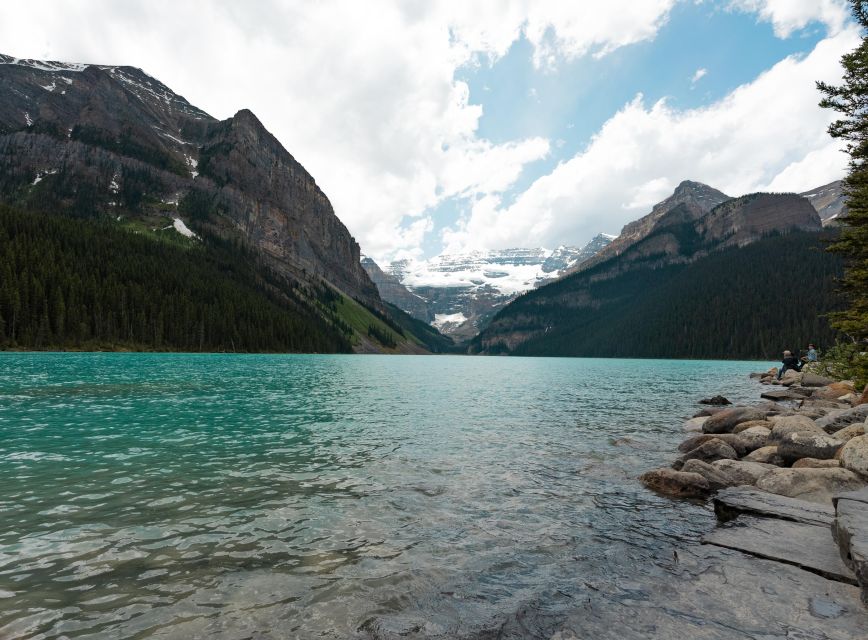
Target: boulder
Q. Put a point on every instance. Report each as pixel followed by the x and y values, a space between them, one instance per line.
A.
pixel 813 485
pixel 863 399
pixel 795 446
pixel 785 425
pixel 677 484
pixel 708 411
pixel 814 463
pixel 767 455
pixel 833 391
pixel 791 377
pixel 695 424
pixel 834 421
pixel 852 431
pixel 725 421
pixel 854 455
pixel 716 401
pixel 714 449
pixel 780 394
pixel 716 478
pixel 753 438
pixel 813 380
pixel 734 441
pixel 741 472
pixel 752 423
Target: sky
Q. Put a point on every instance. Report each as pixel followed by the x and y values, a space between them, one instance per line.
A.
pixel 444 126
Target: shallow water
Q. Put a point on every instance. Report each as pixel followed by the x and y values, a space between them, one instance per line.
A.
pixel 262 496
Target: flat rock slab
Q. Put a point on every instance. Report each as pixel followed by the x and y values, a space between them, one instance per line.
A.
pixel 780 394
pixel 735 501
pixel 807 546
pixel 851 534
pixel 710 594
pixel 860 495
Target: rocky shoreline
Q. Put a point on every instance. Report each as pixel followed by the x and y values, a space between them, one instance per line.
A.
pixel 792 468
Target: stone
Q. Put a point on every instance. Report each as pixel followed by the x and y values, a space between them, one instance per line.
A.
pixel 852 431
pixel 738 444
pixel 768 455
pixel 724 421
pixel 731 502
pixel 813 380
pixel 708 411
pixel 803 545
pixel 785 425
pixel 716 478
pixel 742 472
pixel 815 463
pixel 863 399
pixel 714 449
pixel 716 400
pixel 695 424
pixel 677 484
pixel 794 446
pixel 837 420
pixel 850 531
pixel 752 423
pixel 814 485
pixel 754 438
pixel 854 455
pixel 833 391
pixel 780 394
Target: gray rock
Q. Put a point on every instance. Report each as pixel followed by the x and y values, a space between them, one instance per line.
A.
pixel 716 478
pixel 814 485
pixel 813 380
pixel 768 455
pixel 754 438
pixel 852 431
pixel 738 444
pixel 741 472
pixel 752 423
pixel 695 424
pixel 785 425
pixel 716 401
pixel 837 420
pixel 676 483
pixel 726 420
pixel 815 463
pixel 714 449
pixel 795 446
pixel 854 455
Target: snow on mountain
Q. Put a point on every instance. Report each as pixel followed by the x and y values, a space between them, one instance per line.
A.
pixel 462 291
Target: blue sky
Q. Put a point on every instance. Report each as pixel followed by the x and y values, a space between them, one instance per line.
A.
pixel 451 126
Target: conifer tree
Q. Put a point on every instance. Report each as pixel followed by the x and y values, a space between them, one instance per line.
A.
pixel 850 99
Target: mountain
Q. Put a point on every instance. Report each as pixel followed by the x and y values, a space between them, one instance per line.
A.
pixel 393 292
pixel 112 143
pixel 461 292
pixel 682 240
pixel 829 201
pixel 693 200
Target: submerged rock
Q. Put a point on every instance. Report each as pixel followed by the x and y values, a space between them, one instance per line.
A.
pixel 678 484
pixel 716 400
pixel 814 485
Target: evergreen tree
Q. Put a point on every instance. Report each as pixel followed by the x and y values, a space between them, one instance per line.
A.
pixel 850 99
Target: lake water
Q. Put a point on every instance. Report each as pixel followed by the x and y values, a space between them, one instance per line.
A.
pixel 267 496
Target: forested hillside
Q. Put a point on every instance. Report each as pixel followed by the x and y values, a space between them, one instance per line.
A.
pixel 749 302
pixel 92 284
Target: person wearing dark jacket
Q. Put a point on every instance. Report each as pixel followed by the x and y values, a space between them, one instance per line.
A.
pixel 789 362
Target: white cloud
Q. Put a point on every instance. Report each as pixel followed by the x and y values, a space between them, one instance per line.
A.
pixel 699 75
pixel 788 16
pixel 769 134
pixel 364 94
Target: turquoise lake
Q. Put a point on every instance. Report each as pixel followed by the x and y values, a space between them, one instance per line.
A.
pixel 269 496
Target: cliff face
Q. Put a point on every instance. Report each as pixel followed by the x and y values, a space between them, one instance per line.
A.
pixel 112 141
pixel 391 290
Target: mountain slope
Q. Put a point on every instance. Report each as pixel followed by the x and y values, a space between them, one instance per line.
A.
pixel 112 143
pixel 829 201
pixel 395 293
pixel 670 240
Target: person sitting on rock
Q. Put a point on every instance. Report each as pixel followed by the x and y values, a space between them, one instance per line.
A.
pixel 811 355
pixel 789 362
